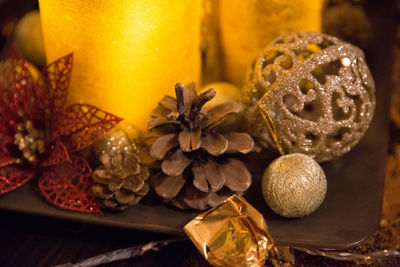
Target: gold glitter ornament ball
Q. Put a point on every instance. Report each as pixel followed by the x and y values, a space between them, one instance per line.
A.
pixel 294 185
pixel 316 89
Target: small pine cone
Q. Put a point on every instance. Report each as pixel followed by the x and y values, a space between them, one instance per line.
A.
pixel 197 168
pixel 121 181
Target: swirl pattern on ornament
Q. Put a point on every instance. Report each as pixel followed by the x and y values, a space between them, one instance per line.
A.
pixel 318 91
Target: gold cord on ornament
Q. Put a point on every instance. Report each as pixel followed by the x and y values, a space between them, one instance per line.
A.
pixel 271 126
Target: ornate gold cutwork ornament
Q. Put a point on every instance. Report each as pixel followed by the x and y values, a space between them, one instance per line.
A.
pixel 314 91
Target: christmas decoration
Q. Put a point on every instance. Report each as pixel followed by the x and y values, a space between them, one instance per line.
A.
pixel 38 134
pixel 232 234
pixel 294 185
pixel 29 38
pixel 314 92
pixel 120 181
pixel 226 92
pixel 197 168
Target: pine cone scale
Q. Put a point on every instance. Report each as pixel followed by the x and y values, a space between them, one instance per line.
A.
pixel 168 102
pixel 168 187
pixel 164 107
pixel 214 175
pixel 208 175
pixel 124 197
pixel 195 199
pixel 156 122
pixel 114 185
pixel 215 199
pixel 175 163
pixel 216 144
pixel 198 103
pixel 133 184
pixel 217 114
pixel 239 143
pixel 110 204
pixel 237 177
pixel 101 175
pixel 100 191
pixel 143 191
pixel 199 177
pixel 189 95
pixel 163 144
pixel 190 140
pixel 131 166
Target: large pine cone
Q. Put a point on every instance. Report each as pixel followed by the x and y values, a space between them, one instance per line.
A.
pixel 197 168
pixel 121 181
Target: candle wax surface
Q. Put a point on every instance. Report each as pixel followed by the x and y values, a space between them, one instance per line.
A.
pixel 246 27
pixel 127 54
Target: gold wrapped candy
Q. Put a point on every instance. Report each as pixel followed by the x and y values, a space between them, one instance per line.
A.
pixel 232 234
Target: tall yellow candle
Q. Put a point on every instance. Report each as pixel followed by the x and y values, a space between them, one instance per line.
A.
pixel 246 26
pixel 127 53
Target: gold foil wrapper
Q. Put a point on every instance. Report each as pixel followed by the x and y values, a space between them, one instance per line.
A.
pixel 232 234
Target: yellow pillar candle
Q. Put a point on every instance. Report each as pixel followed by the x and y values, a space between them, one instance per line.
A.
pixel 127 53
pixel 247 26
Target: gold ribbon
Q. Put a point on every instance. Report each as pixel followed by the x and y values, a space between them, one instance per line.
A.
pixel 271 126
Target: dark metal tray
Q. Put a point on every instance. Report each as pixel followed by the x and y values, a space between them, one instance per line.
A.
pixel 350 212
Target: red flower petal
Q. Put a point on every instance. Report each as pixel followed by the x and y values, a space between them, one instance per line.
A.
pixel 6 138
pixel 12 177
pixel 18 88
pixel 7 115
pixel 61 124
pixel 58 154
pixel 5 157
pixel 69 186
pixel 6 160
pixel 14 53
pixel 86 124
pixel 52 86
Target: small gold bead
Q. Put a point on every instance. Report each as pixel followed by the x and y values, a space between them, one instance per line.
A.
pixel 20 127
pixel 28 125
pixel 27 154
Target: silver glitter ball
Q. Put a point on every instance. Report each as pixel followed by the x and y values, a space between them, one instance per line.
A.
pixel 294 185
pixel 318 92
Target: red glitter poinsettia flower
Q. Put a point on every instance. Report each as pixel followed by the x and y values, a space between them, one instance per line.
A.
pixel 39 134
